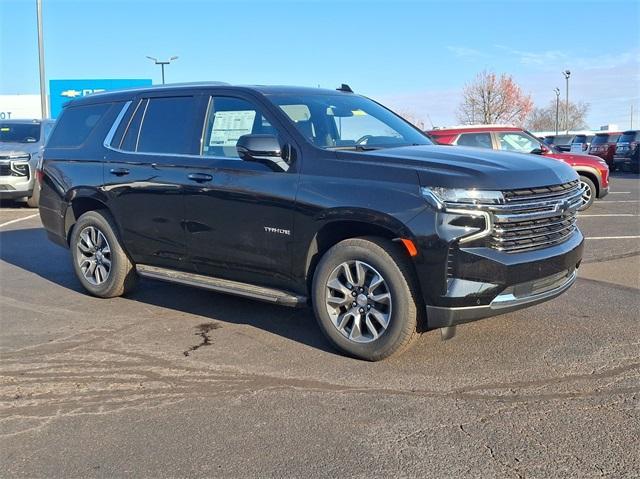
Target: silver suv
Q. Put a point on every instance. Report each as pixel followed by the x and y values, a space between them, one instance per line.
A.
pixel 21 143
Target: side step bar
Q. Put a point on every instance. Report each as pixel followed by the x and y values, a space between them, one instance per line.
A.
pixel 261 293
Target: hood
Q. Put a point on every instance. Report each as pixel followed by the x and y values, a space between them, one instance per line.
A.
pixel 463 167
pixel 577 159
pixel 17 149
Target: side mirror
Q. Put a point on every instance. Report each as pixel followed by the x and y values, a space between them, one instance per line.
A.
pixel 262 149
pixel 541 150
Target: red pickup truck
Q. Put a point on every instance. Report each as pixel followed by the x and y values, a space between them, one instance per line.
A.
pixel 593 171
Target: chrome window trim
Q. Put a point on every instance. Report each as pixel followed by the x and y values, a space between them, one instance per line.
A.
pixel 109 138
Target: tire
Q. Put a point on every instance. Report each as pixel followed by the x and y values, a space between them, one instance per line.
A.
pixel 34 199
pixel 590 193
pixel 96 228
pixel 375 339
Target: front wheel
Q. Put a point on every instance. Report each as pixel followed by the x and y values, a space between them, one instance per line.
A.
pixel 99 261
pixel 588 192
pixel 365 298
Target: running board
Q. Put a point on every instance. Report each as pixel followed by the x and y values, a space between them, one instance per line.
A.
pixel 219 285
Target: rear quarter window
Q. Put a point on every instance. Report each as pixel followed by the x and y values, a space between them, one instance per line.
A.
pixel 76 124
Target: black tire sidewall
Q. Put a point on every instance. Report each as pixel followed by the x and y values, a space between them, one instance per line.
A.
pixel 403 316
pixel 116 278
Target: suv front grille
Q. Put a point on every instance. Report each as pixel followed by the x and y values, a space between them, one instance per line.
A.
pixel 535 218
pixel 5 170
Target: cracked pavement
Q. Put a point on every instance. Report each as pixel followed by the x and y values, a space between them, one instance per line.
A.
pixel 176 382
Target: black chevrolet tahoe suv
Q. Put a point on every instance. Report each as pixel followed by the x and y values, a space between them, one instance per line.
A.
pixel 305 196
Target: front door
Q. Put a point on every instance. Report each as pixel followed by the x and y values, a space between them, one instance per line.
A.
pixel 240 222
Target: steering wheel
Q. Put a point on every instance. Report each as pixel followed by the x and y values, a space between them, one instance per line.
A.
pixel 363 139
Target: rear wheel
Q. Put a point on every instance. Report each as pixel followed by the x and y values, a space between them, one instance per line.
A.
pixel 588 192
pixel 99 261
pixel 365 299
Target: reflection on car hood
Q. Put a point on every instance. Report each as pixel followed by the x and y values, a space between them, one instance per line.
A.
pixel 463 167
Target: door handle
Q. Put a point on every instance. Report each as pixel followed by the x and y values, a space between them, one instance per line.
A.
pixel 119 171
pixel 200 177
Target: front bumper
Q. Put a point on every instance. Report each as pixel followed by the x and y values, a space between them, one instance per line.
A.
pixel 623 162
pixel 484 282
pixel 507 302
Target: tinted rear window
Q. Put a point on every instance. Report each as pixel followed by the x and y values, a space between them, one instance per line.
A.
pixel 166 126
pixel 76 124
pixel 600 140
pixel 561 139
pixel 628 137
pixel 19 132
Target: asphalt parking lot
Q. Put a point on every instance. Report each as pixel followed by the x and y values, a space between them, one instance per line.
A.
pixel 179 382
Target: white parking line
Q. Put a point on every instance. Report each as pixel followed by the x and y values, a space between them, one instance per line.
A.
pixel 19 219
pixel 14 209
pixel 618 201
pixel 611 237
pixel 619 192
pixel 612 214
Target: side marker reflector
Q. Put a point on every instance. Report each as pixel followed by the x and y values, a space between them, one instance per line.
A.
pixel 411 248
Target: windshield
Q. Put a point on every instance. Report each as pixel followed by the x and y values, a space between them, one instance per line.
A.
pixel 602 139
pixel 349 122
pixel 627 137
pixel 19 132
pixel 519 141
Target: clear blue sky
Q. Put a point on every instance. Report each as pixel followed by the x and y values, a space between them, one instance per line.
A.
pixel 414 56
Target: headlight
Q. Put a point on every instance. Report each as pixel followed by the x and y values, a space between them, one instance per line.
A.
pixel 460 196
pixel 20 168
pixel 457 217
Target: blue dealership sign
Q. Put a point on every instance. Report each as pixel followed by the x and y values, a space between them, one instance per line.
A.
pixel 61 91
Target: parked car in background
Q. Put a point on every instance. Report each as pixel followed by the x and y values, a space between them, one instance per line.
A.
pixel 604 146
pixel 300 196
pixel 627 151
pixel 21 143
pixel 593 171
pixel 581 143
pixel 562 142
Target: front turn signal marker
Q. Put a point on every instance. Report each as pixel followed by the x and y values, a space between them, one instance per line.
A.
pixel 411 248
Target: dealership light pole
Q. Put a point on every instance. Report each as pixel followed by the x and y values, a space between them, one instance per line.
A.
pixel 44 104
pixel 162 64
pixel 566 74
pixel 557 90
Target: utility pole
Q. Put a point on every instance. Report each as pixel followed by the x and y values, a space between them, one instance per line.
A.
pixel 162 64
pixel 44 104
pixel 557 91
pixel 631 122
pixel 566 74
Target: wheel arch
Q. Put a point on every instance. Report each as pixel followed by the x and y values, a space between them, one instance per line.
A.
pixel 592 174
pixel 340 228
pixel 80 201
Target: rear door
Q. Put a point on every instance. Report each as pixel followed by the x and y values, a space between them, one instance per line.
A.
pixel 239 218
pixel 145 176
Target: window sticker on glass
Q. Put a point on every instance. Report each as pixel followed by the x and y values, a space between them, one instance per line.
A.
pixel 228 126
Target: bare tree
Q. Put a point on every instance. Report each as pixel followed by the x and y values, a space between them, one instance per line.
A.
pixel 492 99
pixel 412 118
pixel 544 119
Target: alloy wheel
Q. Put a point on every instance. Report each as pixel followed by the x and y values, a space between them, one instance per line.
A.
pixel 586 193
pixel 358 301
pixel 94 255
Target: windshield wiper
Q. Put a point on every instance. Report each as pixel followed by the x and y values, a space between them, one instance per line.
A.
pixel 354 147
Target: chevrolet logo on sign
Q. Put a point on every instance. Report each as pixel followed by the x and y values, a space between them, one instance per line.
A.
pixel 71 93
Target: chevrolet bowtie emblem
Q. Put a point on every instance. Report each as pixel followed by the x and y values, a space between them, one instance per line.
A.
pixel 71 93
